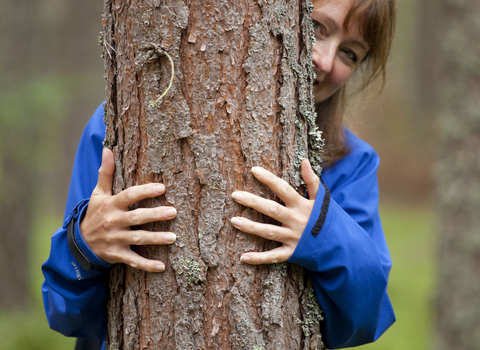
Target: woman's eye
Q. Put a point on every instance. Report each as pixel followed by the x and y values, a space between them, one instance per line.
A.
pixel 350 55
pixel 318 28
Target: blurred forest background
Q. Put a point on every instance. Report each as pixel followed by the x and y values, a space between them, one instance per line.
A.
pixel 51 81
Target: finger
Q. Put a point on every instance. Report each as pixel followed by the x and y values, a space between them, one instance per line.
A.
pixel 264 206
pixel 142 237
pixel 273 256
pixel 137 193
pixel 145 215
pixel 105 173
pixel 136 261
pixel 311 179
pixel 271 232
pixel 283 190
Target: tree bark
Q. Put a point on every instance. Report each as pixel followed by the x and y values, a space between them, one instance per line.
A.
pixel 458 177
pixel 241 97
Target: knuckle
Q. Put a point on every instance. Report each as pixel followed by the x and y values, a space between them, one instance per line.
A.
pixel 108 223
pixel 274 258
pixel 107 205
pixel 111 255
pixel 274 210
pixel 249 226
pixel 272 234
pixel 148 191
pixel 135 217
pixel 157 239
pixel 136 236
pixel 133 263
pixel 128 195
pixel 285 190
pixel 101 171
pixel 250 200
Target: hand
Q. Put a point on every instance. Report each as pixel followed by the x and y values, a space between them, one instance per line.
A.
pixel 106 225
pixel 293 216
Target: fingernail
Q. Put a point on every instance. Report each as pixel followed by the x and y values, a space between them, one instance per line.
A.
pixel 237 196
pixel 244 258
pixel 170 237
pixel 236 222
pixel 171 212
pixel 159 188
pixel 160 268
pixel 257 171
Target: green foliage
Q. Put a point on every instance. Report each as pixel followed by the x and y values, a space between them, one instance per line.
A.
pixel 28 329
pixel 30 115
pixel 32 103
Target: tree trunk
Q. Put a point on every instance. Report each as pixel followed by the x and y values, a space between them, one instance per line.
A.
pixel 458 302
pixel 16 218
pixel 240 97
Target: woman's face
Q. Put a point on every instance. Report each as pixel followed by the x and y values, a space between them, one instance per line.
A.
pixel 337 52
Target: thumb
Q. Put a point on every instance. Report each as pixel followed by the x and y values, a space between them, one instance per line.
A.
pixel 105 173
pixel 311 179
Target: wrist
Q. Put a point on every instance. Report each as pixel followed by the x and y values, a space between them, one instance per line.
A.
pixel 85 257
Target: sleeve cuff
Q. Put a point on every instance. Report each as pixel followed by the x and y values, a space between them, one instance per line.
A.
pixel 85 257
pixel 308 247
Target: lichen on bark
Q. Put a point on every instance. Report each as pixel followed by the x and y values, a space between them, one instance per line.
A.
pixel 241 97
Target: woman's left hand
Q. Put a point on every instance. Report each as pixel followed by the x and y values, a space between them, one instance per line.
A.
pixel 293 216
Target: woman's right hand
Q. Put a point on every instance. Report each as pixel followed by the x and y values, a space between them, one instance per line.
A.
pixel 106 225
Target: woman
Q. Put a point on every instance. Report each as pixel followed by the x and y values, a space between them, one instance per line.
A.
pixel 336 234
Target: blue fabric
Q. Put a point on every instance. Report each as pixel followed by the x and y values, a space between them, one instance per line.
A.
pixel 74 299
pixel 348 261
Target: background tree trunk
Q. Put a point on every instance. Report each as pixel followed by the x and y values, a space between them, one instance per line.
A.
pixel 241 97
pixel 45 58
pixel 458 302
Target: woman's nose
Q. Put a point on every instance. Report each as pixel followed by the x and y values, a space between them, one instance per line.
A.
pixel 324 56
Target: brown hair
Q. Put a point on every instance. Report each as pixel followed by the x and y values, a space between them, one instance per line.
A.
pixel 377 26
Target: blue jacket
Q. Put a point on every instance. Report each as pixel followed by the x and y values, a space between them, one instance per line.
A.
pixel 343 249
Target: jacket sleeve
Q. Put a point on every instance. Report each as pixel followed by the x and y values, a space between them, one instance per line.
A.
pixel 344 251
pixel 75 299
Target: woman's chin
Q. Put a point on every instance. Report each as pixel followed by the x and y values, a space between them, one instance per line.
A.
pixel 319 95
pixel 319 92
pixel 322 92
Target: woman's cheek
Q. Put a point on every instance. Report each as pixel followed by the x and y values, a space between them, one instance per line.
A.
pixel 340 76
pixel 343 74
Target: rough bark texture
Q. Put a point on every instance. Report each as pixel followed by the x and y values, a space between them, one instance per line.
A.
pixel 458 302
pixel 241 97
